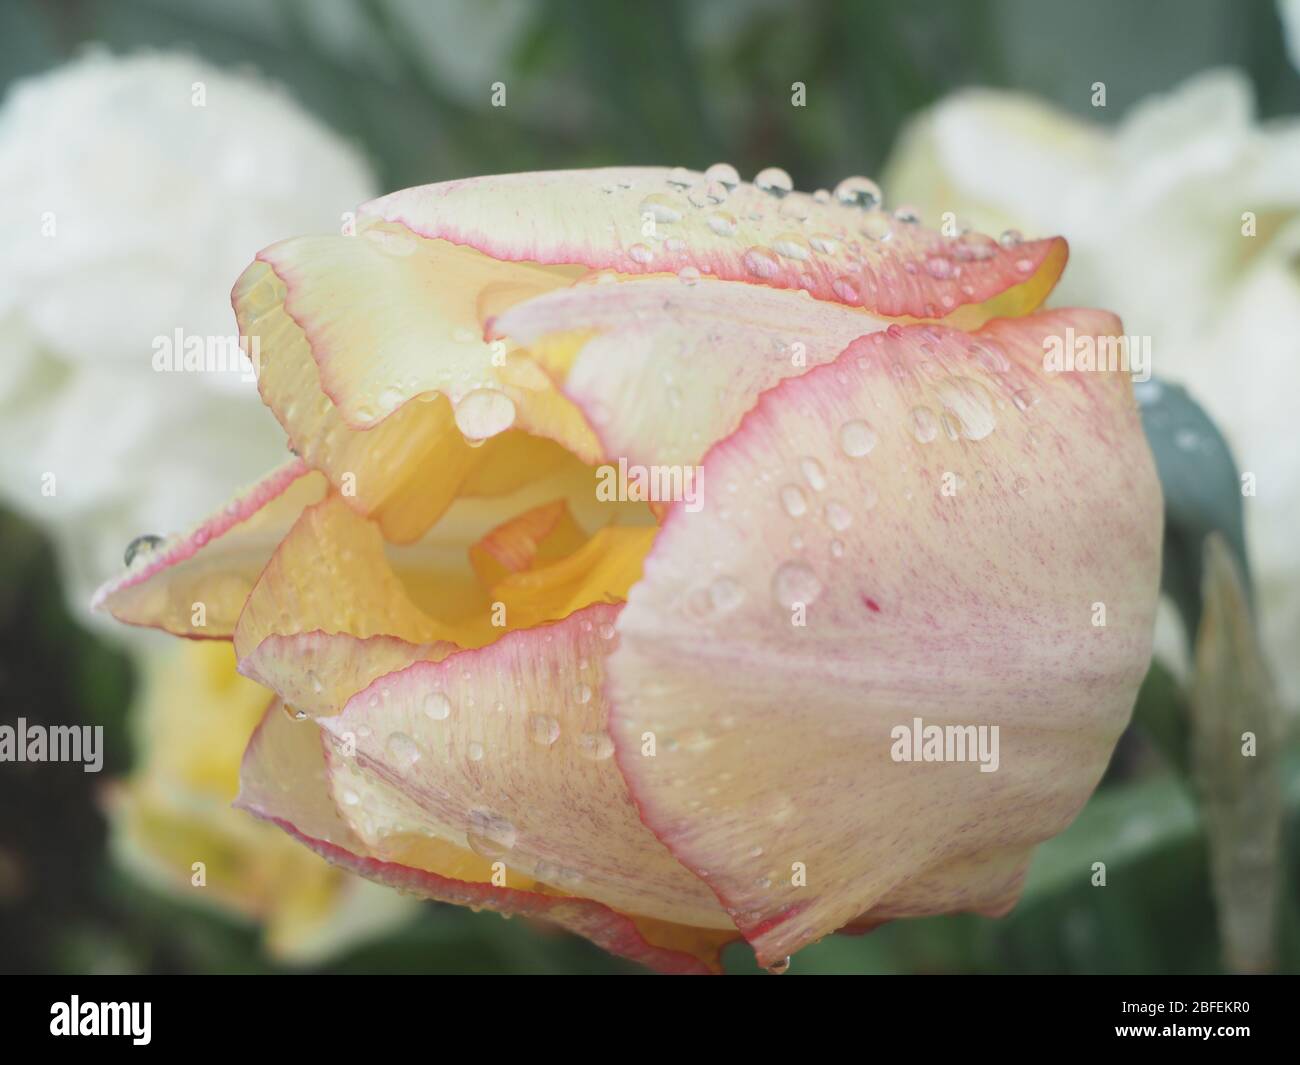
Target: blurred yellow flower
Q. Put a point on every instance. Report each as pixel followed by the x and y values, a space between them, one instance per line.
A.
pixel 173 823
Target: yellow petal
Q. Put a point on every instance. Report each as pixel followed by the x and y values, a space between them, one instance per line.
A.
pixel 215 565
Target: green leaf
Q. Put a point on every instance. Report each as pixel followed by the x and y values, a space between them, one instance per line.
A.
pixel 1202 491
pixel 1236 738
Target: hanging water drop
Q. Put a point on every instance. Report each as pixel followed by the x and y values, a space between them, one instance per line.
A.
pixel 141 545
pixel 774 181
pixel 859 192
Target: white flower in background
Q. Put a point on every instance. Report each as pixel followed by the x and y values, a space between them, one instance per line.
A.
pixel 132 193
pixel 1153 210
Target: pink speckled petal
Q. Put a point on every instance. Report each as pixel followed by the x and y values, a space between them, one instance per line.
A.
pixel 285 780
pixel 216 564
pixel 636 220
pixel 944 517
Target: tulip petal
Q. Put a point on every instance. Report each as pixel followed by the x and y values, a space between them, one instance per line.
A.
pixel 403 467
pixel 644 220
pixel 946 519
pixel 503 750
pixel 663 369
pixel 361 385
pixel 216 564
pixel 283 781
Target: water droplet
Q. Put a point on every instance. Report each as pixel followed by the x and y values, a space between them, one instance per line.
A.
pixel 857 438
pixel 582 693
pixel 969 404
pixel 316 686
pixel 791 246
pixel 761 263
pixel 661 208
pixel 909 216
pixel 722 223
pixel 349 797
pixel 726 594
pixel 140 546
pixel 640 253
pixel 859 192
pixel 813 473
pixel 1024 399
pixel 1010 238
pixel 838 516
pixel 723 173
pixel 991 358
pixel 780 968
pixel 680 176
pixel 543 729
pixel 436 706
pixel 825 243
pixel 938 267
pixel 688 275
pixel 773 180
pixel 975 247
pixel 837 549
pixel 595 745
pixel 606 631
pixel 402 751
pixel 475 751
pixel 793 501
pixel 293 714
pixel 846 289
pixel 484 413
pixel 795 582
pixel 925 426
pixel 876 226
pixel 706 193
pixel 489 834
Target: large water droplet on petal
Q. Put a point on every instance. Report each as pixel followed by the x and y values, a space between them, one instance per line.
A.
pixel 437 707
pixel 140 546
pixel 724 174
pixel 484 413
pixel 597 746
pixel 402 750
pixel 489 834
pixel 795 582
pixel 857 438
pixel 762 263
pixel 969 404
pixel 723 223
pixel 793 501
pixel 661 208
pixel 543 729
pixel 858 192
pixel 773 180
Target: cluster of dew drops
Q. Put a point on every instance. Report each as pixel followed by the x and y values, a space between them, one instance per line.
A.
pixel 712 193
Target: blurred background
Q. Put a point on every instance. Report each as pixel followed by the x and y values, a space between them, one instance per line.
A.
pixel 169 141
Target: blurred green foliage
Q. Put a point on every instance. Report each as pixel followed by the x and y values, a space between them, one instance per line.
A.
pixel 595 84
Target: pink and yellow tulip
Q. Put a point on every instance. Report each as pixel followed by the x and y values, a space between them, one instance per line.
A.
pixel 661 725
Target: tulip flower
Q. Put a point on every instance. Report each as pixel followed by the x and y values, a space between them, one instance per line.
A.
pixel 667 723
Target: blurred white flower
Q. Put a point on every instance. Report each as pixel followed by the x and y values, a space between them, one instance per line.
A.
pixel 1155 213
pixel 1289 11
pixel 132 193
